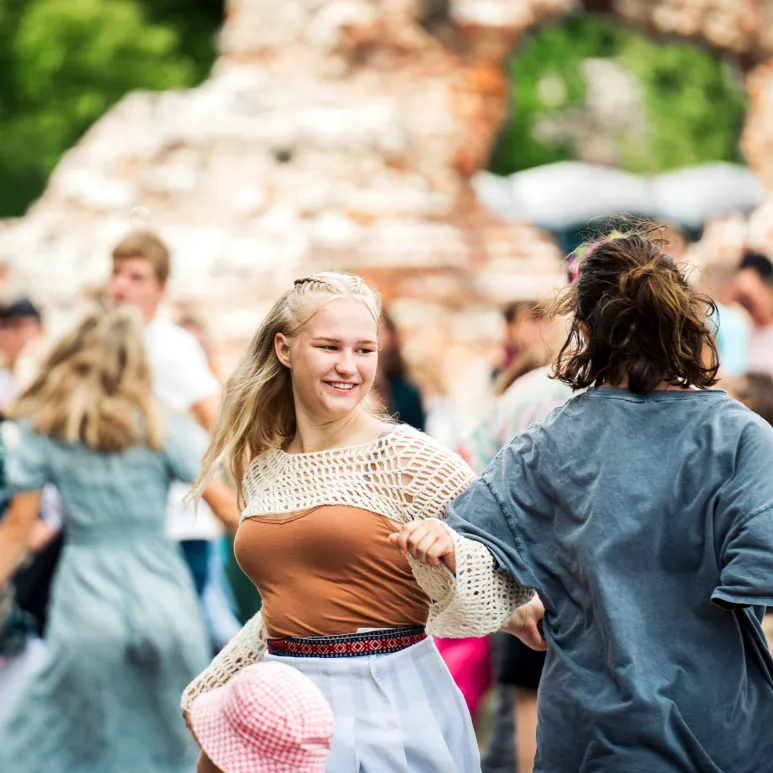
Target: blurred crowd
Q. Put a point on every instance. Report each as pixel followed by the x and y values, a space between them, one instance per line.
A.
pixel 498 676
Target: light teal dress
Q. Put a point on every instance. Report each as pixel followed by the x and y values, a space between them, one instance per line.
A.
pixel 124 635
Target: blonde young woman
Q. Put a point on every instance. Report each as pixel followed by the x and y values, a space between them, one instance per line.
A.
pixel 124 634
pixel 325 482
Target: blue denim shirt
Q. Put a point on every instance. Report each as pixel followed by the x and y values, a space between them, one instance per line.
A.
pixel 646 526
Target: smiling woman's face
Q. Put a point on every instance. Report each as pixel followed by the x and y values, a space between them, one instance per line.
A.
pixel 333 359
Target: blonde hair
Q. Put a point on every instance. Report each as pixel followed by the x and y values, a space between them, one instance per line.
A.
pixel 95 386
pixel 147 246
pixel 258 411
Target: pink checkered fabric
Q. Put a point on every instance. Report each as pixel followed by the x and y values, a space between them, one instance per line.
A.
pixel 269 718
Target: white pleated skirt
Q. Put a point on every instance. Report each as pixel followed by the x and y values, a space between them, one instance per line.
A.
pixel 394 713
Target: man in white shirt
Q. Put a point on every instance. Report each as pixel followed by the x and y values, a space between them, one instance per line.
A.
pixel 753 289
pixel 183 382
pixel 182 379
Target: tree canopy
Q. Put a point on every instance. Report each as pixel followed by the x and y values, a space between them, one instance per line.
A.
pixel 63 64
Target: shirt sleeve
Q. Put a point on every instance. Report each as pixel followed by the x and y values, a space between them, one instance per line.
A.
pixel 477 600
pixel 504 507
pixel 185 445
pixel 746 575
pixel 28 458
pixel 248 646
pixel 478 515
pixel 745 524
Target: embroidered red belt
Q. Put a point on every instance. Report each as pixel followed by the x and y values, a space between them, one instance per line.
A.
pixel 350 645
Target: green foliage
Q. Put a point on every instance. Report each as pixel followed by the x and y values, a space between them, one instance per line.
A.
pixel 196 22
pixel 63 64
pixel 694 105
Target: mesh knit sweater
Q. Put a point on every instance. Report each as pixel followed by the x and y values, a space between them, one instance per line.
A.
pixel 404 476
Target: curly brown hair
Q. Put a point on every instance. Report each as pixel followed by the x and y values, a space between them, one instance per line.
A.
pixel 636 321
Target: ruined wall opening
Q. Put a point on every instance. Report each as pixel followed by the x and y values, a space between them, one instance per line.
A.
pixel 595 89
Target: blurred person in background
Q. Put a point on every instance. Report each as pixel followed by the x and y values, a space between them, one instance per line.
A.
pixel 522 332
pixel 21 649
pixel 755 391
pixel 197 326
pixel 399 394
pixel 225 573
pixel 469 660
pixel 753 289
pixel 530 395
pixel 125 633
pixel 182 381
pixel 181 376
pixel 642 513
pixel 441 420
pixel 732 321
pixel 21 347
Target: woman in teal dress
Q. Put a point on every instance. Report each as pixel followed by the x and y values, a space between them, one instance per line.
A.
pixel 124 635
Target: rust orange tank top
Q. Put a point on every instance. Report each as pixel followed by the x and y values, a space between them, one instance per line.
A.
pixel 327 571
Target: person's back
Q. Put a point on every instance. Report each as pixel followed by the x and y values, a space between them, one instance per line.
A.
pixel 642 513
pixel 753 289
pixel 639 529
pixel 100 490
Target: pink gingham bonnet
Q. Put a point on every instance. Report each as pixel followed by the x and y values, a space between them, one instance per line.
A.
pixel 269 718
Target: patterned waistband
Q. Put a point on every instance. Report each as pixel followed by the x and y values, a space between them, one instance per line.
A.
pixel 349 645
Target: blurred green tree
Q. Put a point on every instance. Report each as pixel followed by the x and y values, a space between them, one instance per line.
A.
pixel 694 103
pixel 63 64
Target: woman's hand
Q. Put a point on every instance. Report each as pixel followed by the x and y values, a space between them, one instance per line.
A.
pixel 426 541
pixel 526 624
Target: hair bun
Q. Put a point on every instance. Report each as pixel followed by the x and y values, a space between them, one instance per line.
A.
pixel 660 269
pixel 637 321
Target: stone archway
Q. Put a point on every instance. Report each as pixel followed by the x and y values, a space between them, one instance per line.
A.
pixel 343 134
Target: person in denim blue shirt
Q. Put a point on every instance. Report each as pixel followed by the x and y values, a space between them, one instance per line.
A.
pixel 642 513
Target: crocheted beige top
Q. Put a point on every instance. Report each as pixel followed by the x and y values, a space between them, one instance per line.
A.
pixel 405 476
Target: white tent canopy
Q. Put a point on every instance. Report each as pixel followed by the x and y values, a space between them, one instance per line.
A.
pixel 568 193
